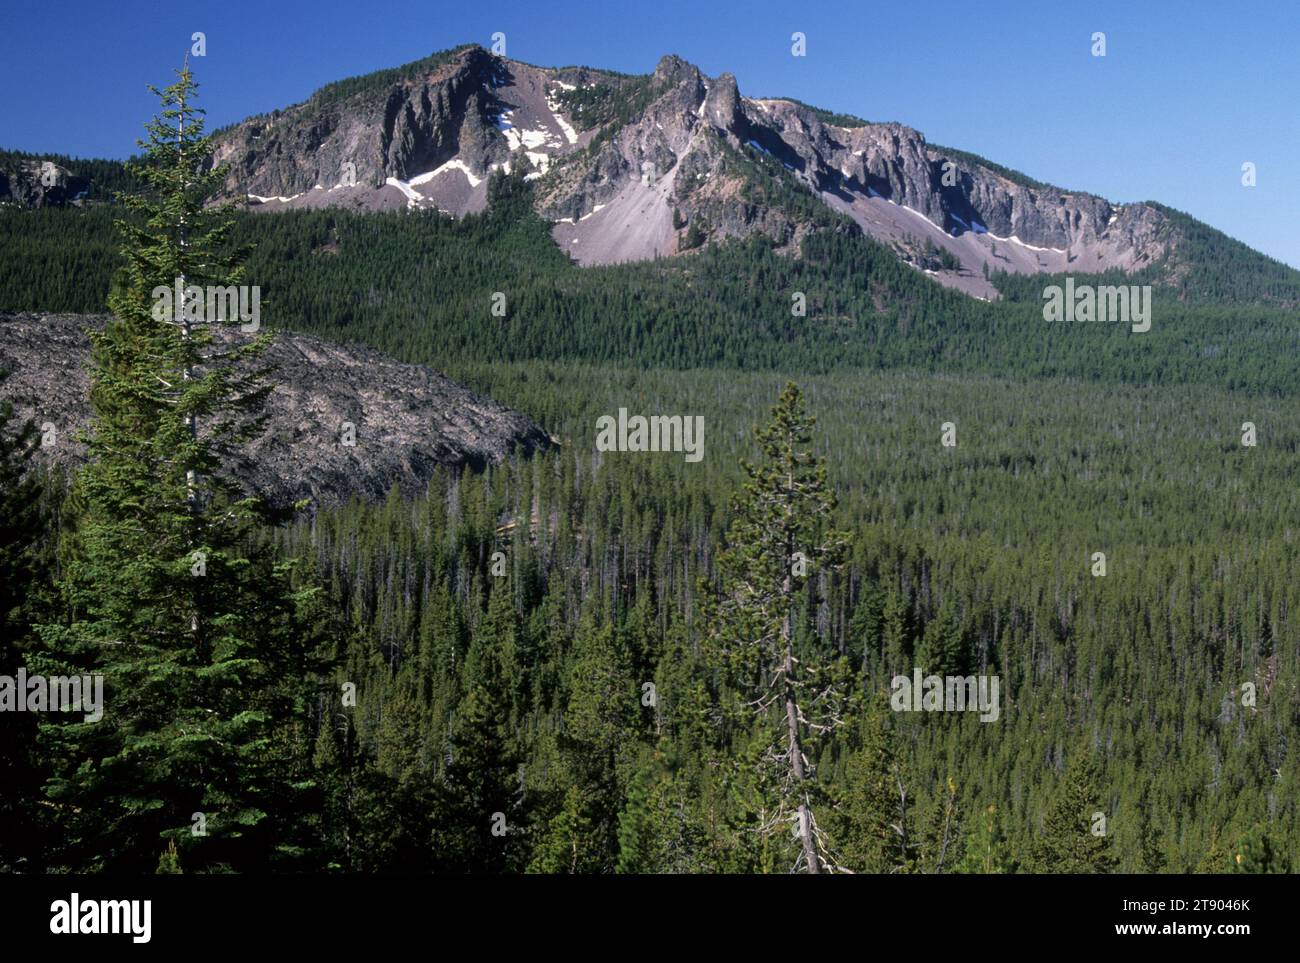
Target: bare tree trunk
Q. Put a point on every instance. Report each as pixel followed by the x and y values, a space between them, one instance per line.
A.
pixel 792 716
pixel 947 824
pixel 191 479
pixel 901 828
pixel 796 764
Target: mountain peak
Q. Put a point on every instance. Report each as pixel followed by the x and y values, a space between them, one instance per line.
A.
pixel 672 69
pixel 636 167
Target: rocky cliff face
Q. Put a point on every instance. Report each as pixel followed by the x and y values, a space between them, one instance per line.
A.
pixel 408 419
pixel 429 139
pixel 364 139
pixel 630 168
pixel 720 163
pixel 908 194
pixel 668 179
pixel 30 183
pixel 698 162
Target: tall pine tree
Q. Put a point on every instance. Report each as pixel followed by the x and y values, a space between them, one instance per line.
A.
pixel 192 627
pixel 21 525
pixel 780 535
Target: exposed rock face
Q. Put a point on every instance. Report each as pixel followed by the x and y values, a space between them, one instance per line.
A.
pixel 881 175
pixel 408 419
pixel 970 210
pixel 41 184
pixel 630 168
pixel 667 179
pixel 427 141
pixel 367 138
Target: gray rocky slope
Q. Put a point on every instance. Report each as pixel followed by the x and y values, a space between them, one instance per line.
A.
pixel 408 419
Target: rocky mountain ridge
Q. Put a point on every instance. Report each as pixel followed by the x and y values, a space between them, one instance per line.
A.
pixel 630 168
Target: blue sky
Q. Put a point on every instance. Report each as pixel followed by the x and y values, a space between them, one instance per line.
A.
pixel 1189 89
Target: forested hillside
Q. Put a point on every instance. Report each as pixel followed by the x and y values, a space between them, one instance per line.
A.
pixel 597 661
pixel 1140 670
pixel 421 286
pixel 602 565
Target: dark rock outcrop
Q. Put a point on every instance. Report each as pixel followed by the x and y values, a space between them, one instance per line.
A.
pixel 41 184
pixel 408 419
pixel 397 131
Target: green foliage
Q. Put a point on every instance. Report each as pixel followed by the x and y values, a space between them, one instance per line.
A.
pixel 640 824
pixel 482 775
pixel 1259 852
pixel 695 235
pixel 1210 265
pixel 943 648
pixel 22 523
pixel 932 256
pixel 169 863
pixel 940 835
pixel 419 285
pixel 986 846
pixel 378 82
pixel 779 547
pixel 194 635
pixel 1074 840
pixel 614 100
pixel 872 820
pixel 522 695
pixel 975 160
pixel 1198 588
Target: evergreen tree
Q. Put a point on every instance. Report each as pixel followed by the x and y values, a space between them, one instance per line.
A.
pixel 940 843
pixel 986 849
pixel 583 837
pixel 639 828
pixel 1068 843
pixel 1153 856
pixel 193 627
pixel 897 639
pixel 1216 858
pixel 942 651
pixel 780 534
pixel 867 625
pixel 485 827
pixel 21 525
pixel 570 843
pixel 1258 852
pixel 873 826
pixel 21 521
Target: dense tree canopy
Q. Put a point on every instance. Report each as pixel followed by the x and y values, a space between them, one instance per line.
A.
pixel 564 664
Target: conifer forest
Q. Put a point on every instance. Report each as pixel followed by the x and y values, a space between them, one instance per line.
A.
pixel 822 563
